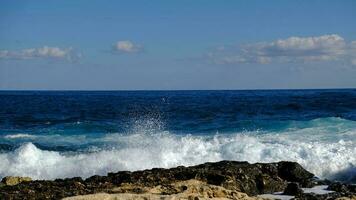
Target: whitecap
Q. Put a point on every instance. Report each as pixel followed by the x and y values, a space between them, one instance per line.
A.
pixel 144 151
pixel 19 135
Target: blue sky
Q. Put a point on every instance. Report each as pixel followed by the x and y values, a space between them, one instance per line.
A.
pixel 130 45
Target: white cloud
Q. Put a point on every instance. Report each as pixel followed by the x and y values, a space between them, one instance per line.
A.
pixel 126 46
pixel 293 49
pixel 42 52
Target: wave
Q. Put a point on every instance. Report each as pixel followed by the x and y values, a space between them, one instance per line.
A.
pixel 19 135
pixel 324 157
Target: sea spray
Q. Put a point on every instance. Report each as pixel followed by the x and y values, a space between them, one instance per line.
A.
pixel 143 151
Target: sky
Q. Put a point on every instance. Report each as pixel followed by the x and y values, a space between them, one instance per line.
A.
pixel 177 45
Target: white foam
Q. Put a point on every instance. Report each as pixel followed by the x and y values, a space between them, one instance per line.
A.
pixel 276 196
pixel 143 150
pixel 19 135
pixel 319 189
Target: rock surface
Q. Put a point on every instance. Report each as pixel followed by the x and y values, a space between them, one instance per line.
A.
pixel 330 196
pixel 184 190
pixel 293 189
pixel 14 180
pixel 229 178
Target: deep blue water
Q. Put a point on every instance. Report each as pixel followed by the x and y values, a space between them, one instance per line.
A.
pixel 194 111
pixel 128 130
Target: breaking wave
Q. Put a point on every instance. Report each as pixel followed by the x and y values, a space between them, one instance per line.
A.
pixel 326 147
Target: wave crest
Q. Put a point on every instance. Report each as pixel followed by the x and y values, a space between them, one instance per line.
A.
pixel 141 151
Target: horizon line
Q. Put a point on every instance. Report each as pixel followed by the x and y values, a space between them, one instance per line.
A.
pixel 163 90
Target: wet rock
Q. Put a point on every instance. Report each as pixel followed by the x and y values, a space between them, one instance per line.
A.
pixel 293 189
pixel 252 179
pixel 344 190
pixel 347 198
pixel 293 172
pixel 14 180
pixel 341 191
pixel 338 187
pixel 313 196
pixel 323 182
pixel 342 187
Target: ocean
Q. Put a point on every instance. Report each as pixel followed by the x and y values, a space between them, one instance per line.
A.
pixel 59 134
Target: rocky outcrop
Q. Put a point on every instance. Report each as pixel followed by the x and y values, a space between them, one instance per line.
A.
pixel 233 177
pixel 183 190
pixel 293 189
pixel 240 176
pixel 329 196
pixel 337 190
pixel 14 180
pixel 295 173
pixel 341 191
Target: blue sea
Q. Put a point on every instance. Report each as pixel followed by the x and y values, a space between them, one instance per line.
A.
pixel 58 134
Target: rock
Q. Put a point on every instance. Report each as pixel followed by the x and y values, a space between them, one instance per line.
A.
pixel 238 177
pixel 345 190
pixel 14 180
pixel 347 198
pixel 323 182
pixel 293 189
pixel 184 190
pixel 341 192
pixel 313 196
pixel 293 172
pixel 342 187
pixel 338 187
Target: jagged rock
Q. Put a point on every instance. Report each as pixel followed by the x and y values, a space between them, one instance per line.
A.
pixel 14 180
pixel 242 177
pixel 341 187
pixel 345 190
pixel 294 173
pixel 347 198
pixel 341 191
pixel 313 196
pixel 183 190
pixel 338 187
pixel 293 189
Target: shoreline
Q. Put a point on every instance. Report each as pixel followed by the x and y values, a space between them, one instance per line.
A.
pixel 224 179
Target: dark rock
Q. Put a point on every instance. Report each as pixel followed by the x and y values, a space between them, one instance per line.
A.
pixel 340 190
pixel 252 179
pixel 293 172
pixel 338 187
pixel 312 196
pixel 343 189
pixel 352 188
pixel 293 189
pixel 322 182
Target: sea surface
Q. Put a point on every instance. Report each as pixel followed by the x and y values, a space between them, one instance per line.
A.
pixel 58 134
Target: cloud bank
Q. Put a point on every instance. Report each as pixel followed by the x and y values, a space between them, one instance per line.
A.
pixel 42 52
pixel 126 46
pixel 293 49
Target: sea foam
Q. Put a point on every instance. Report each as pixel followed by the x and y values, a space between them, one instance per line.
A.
pixel 19 135
pixel 325 158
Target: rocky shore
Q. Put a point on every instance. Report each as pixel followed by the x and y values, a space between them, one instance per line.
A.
pixel 220 180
